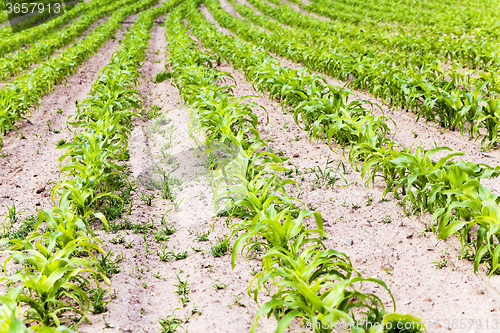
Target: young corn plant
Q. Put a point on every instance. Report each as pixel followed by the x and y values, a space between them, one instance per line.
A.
pixel 50 284
pixel 183 290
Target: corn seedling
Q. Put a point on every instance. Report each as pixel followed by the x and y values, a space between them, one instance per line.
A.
pixel 47 305
pixel 202 236
pixel 98 304
pixel 183 290
pixel 146 198
pixel 170 324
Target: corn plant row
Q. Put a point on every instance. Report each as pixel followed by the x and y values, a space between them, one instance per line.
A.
pixel 15 63
pixel 411 77
pixel 408 14
pixel 361 42
pixel 366 38
pixel 60 266
pixel 30 35
pixel 412 13
pixel 32 20
pixel 5 31
pixel 25 92
pixel 432 44
pixel 455 17
pixel 441 100
pixel 438 42
pixel 315 284
pixel 473 48
pixel 451 191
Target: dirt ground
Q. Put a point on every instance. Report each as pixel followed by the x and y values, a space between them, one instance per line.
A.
pixel 380 240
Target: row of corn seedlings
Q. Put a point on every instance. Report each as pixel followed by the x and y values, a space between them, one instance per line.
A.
pixel 474 45
pixel 5 31
pixel 25 92
pixel 313 284
pixel 59 267
pixel 413 47
pixel 417 14
pixel 14 63
pixel 430 44
pixel 16 40
pixel 449 190
pixel 37 18
pixel 409 80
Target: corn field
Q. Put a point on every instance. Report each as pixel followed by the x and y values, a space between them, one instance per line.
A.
pixel 249 166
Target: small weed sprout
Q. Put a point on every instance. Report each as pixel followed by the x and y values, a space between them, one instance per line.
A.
pixel 219 285
pixel 221 248
pixel 170 324
pixel 202 236
pixel 386 219
pixel 237 301
pixel 146 198
pixel 60 142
